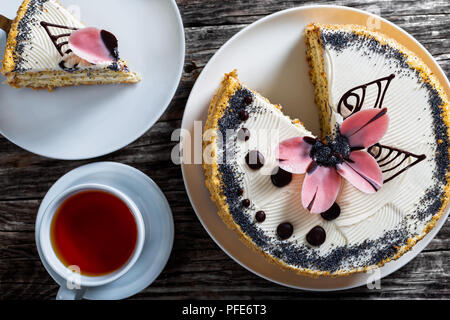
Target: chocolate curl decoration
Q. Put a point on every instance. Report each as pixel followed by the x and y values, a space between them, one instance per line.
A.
pixel 5 23
pixel 346 107
pixel 59 40
pixel 394 161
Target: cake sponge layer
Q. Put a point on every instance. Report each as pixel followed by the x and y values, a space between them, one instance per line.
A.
pixel 314 56
pixel 53 79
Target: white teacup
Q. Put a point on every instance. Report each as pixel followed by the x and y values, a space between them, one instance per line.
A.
pixel 76 283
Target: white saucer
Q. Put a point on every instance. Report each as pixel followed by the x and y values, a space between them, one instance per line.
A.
pixel 270 57
pixel 157 217
pixel 90 121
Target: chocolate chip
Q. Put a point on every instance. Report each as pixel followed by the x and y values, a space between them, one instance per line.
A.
pixel 246 203
pixel 255 160
pixel 248 100
pixel 332 213
pixel 244 134
pixel 240 192
pixel 285 230
pixel 243 115
pixel 281 178
pixel 260 216
pixel 316 236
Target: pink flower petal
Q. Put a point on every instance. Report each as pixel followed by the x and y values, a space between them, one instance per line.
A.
pixel 320 188
pixel 365 128
pixel 293 154
pixel 94 45
pixel 362 171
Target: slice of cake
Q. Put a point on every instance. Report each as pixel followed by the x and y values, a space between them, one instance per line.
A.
pixel 48 47
pixel 361 195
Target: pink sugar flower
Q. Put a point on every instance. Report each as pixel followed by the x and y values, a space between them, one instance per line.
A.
pixel 94 45
pixel 342 156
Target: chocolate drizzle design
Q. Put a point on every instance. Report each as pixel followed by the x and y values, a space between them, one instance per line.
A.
pixel 55 38
pixel 378 151
pixel 359 93
pixel 386 155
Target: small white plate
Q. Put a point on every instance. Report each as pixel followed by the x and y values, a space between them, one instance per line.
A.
pixel 157 217
pixel 270 57
pixel 90 121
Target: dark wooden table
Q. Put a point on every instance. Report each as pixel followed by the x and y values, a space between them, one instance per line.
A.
pixel 198 269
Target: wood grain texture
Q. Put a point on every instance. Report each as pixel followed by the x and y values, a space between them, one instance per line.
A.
pixel 198 269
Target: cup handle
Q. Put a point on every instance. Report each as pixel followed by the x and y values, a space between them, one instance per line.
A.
pixel 67 294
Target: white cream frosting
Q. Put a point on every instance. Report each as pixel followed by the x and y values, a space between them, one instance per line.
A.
pixel 363 216
pixel 39 53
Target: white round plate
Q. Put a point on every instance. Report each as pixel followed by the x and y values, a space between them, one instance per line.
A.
pixel 90 121
pixel 156 214
pixel 270 57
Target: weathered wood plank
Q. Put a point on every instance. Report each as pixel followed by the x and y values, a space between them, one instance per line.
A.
pixel 189 275
pixel 208 13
